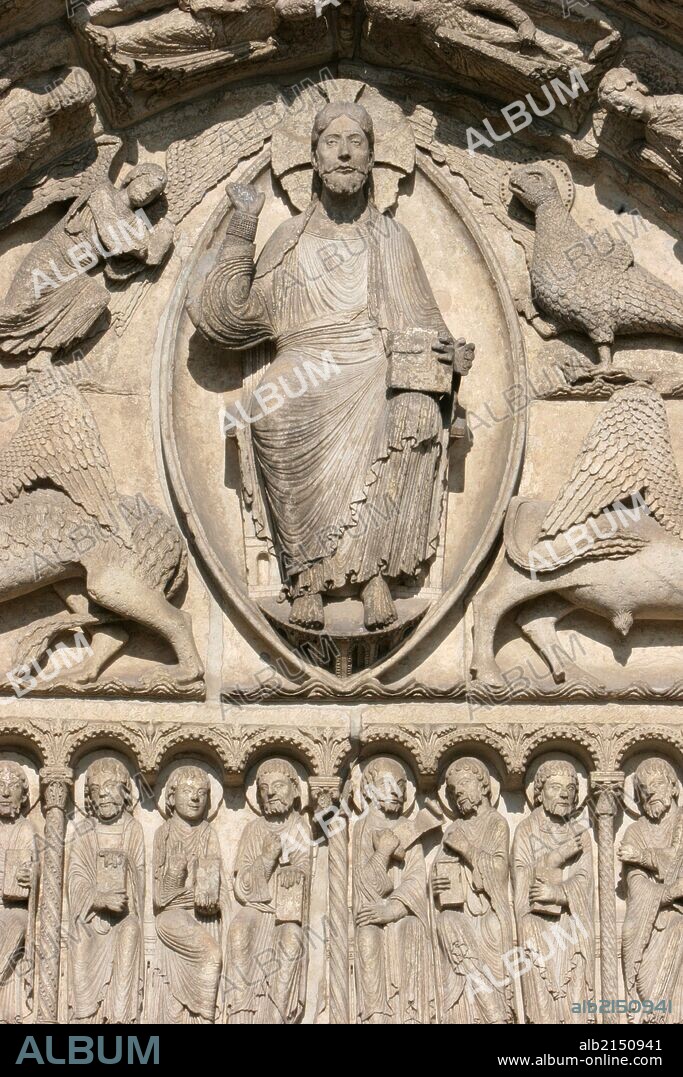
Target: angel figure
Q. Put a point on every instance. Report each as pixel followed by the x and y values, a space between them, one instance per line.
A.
pixel 52 302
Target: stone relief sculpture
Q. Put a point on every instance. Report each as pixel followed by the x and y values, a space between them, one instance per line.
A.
pixel 131 561
pixel 53 304
pixel 471 903
pixel 652 855
pixel 361 528
pixel 106 902
pixel 552 876
pixel 501 42
pixel 365 313
pixel 619 568
pixel 189 906
pixel 657 118
pixel 19 874
pixel 600 293
pixel 393 956
pixel 272 876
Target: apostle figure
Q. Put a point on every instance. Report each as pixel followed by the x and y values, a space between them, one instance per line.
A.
pixel 188 897
pixel 18 891
pixel 552 876
pixel 105 889
pixel 472 909
pixel 394 982
pixel 366 365
pixel 267 955
pixel 652 852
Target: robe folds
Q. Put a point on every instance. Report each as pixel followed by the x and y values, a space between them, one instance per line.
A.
pixel 17 925
pixel 472 939
pixel 394 974
pixel 266 960
pixel 559 946
pixel 353 473
pixel 106 951
pixel 189 954
pixel 652 945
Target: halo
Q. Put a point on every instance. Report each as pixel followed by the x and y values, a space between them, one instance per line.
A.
pixel 250 782
pixel 563 176
pixel 630 802
pixel 27 764
pixel 91 757
pixel 394 141
pixel 493 777
pixel 353 786
pixel 216 791
pixel 566 758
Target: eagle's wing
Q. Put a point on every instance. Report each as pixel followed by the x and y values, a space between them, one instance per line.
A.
pixel 627 450
pixel 58 442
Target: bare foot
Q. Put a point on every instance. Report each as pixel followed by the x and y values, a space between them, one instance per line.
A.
pixel 307 611
pixel 378 605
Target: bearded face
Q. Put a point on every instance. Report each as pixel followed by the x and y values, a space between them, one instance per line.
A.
pixel 11 793
pixel 559 796
pixel 387 790
pixel 276 794
pixel 107 796
pixel 656 795
pixel 343 158
pixel 465 791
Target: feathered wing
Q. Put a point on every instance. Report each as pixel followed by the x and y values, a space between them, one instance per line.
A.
pixel 58 442
pixel 628 449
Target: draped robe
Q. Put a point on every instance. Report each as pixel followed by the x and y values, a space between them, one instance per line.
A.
pixel 394 978
pixel 189 956
pixel 353 473
pixel 562 971
pixel 17 926
pixel 472 939
pixel 106 950
pixel 653 932
pixel 265 960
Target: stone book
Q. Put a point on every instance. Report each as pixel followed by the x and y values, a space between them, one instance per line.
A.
pixel 454 896
pixel 208 878
pixel 413 365
pixel 289 901
pixel 111 871
pixel 15 861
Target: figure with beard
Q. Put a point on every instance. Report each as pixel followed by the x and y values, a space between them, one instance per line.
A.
pixel 267 952
pixel 394 983
pixel 339 279
pixel 188 898
pixel 105 889
pixel 18 887
pixel 472 915
pixel 652 852
pixel 552 874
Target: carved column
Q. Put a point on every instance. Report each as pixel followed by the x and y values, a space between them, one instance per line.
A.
pixel 55 786
pixel 325 793
pixel 606 789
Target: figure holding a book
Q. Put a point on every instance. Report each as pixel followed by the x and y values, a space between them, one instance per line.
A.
pixel 18 887
pixel 472 910
pixel 105 886
pixel 188 899
pixel 267 951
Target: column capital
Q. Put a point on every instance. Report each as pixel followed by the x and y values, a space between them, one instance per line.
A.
pixel 55 786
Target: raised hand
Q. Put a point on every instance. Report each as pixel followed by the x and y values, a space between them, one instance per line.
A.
pixel 245 198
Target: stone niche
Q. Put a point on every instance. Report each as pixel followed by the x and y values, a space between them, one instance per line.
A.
pixel 341 376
